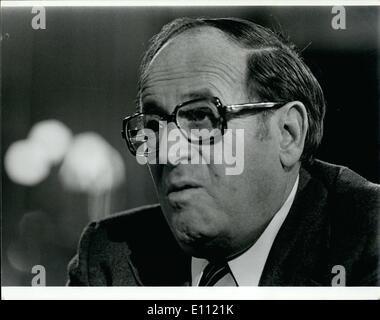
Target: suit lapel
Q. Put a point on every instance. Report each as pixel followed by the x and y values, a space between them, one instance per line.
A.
pixel 164 269
pixel 299 252
pixel 157 259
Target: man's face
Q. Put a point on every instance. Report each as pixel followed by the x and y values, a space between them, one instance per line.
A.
pixel 213 214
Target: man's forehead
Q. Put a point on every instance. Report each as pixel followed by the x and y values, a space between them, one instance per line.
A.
pixel 201 43
pixel 204 54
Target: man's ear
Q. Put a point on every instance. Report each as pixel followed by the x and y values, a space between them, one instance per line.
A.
pixel 293 128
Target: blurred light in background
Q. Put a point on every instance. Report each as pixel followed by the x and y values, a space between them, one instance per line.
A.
pixel 86 165
pixel 54 135
pixel 91 165
pixel 27 162
pixel 35 229
pixel 23 256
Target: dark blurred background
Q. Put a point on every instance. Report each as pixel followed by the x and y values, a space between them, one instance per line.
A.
pixel 82 71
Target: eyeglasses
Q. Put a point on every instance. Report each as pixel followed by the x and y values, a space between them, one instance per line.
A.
pixel 191 116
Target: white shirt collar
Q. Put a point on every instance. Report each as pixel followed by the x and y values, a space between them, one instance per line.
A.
pixel 248 267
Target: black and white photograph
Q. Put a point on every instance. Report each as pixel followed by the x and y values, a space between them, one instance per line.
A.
pixel 190 145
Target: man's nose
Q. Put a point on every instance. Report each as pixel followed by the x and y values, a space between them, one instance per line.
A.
pixel 174 147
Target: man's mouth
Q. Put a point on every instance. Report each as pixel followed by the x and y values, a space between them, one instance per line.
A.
pixel 181 186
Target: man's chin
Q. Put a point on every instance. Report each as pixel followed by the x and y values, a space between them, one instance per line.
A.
pixel 197 227
pixel 192 236
pixel 201 245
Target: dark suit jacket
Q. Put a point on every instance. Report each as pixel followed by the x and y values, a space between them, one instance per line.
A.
pixel 333 221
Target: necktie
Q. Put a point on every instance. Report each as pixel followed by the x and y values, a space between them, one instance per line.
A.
pixel 213 273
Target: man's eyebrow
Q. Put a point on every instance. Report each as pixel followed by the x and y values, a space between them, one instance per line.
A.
pixel 197 94
pixel 152 108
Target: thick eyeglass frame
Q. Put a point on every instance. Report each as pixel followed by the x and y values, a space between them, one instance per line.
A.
pixel 223 110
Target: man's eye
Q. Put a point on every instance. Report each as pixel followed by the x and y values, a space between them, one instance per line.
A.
pixel 152 124
pixel 199 114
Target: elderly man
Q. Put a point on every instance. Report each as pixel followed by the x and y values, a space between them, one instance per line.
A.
pixel 284 219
